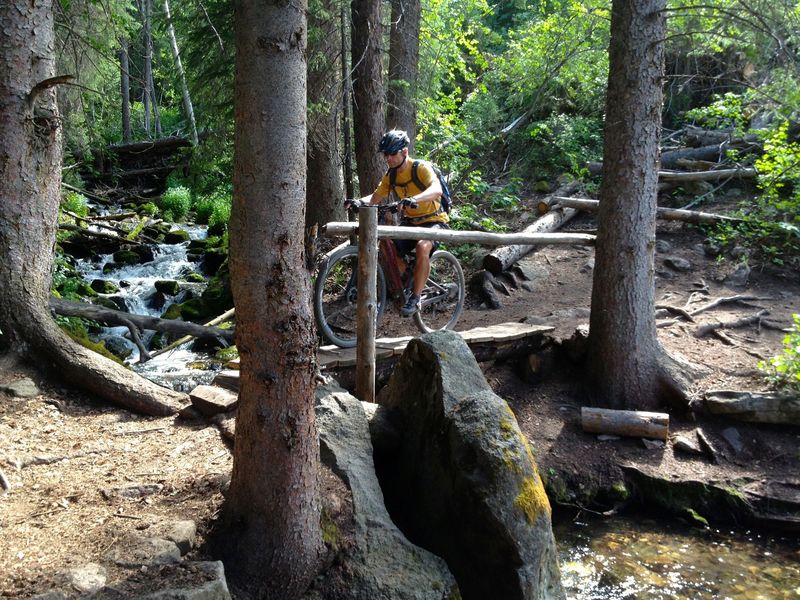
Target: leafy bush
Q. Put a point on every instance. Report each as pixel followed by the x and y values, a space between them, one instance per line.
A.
pixel 727 111
pixel 176 202
pixel 784 371
pixel 563 144
pixel 214 210
pixel 75 203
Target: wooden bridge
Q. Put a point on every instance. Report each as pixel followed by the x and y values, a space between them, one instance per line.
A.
pixel 487 343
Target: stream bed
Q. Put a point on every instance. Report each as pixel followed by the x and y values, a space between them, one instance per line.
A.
pixel 627 557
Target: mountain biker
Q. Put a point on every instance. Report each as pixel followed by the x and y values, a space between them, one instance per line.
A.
pixel 422 209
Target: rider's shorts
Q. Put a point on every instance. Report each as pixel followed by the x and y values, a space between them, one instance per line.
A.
pixel 406 247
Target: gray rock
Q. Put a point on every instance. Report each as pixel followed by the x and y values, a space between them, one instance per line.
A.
pixel 588 266
pixel 88 578
pixel 383 563
pixel 739 277
pixel 51 595
pixel 677 263
pixel 663 246
pixel 686 444
pixel 182 533
pixel 734 439
pixel 136 552
pixel 738 252
pixel 21 388
pixel 214 588
pixel 465 477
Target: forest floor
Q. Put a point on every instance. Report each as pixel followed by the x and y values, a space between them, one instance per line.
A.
pixel 85 477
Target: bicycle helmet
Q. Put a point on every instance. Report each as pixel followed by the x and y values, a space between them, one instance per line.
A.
pixel 393 141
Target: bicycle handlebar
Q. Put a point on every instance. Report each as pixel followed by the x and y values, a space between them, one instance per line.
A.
pixel 392 207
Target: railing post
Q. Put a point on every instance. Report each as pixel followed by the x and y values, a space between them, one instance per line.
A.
pixel 367 307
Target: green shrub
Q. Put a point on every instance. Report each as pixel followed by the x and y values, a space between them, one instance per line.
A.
pixel 214 210
pixel 75 203
pixel 176 201
pixel 784 371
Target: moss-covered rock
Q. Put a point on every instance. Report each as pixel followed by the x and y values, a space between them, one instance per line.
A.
pixel 103 286
pixel 194 277
pixel 176 236
pixel 218 296
pixel 126 257
pixel 168 287
pixel 173 312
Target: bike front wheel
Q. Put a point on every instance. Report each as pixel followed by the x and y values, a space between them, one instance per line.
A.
pixel 336 297
pixel 442 299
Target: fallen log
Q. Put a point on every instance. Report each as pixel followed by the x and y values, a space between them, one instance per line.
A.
pixel 632 423
pixel 97 234
pixel 669 214
pixel 754 407
pixel 712 175
pixel 503 257
pixel 215 321
pixel 545 203
pixel 116 317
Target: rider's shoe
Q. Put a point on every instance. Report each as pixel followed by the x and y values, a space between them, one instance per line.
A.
pixel 411 306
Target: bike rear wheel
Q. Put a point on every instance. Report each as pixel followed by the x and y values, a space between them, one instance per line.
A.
pixel 443 295
pixel 336 296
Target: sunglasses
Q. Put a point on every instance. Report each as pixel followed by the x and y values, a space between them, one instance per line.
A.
pixel 391 153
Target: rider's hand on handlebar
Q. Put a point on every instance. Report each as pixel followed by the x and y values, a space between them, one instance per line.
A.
pixel 352 203
pixel 410 202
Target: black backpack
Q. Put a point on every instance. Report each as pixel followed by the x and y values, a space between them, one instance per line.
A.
pixel 445 200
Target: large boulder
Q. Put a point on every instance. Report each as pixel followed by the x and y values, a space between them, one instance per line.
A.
pixel 461 479
pixel 382 564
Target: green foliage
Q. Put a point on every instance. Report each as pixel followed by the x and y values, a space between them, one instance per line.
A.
pixel 783 371
pixel 75 203
pixel 464 215
pixel 727 111
pixel 507 198
pixel 176 202
pixel 563 144
pixel 215 210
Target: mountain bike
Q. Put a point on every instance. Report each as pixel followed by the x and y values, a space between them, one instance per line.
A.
pixel 336 295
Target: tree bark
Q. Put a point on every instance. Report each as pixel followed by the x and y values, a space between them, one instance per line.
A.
pixel 125 89
pixel 324 186
pixel 269 535
pixel 30 157
pixel 368 92
pixel 401 111
pixel 188 109
pixel 624 370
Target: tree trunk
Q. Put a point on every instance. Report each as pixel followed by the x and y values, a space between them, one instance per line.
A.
pixel 125 90
pixel 368 92
pixel 147 43
pixel 401 112
pixel 30 157
pixel 270 534
pixel 324 189
pixel 624 370
pixel 347 106
pixel 188 109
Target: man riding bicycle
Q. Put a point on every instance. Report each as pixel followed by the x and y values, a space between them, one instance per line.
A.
pixel 422 207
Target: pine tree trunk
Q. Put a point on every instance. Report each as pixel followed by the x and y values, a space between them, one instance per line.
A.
pixel 30 159
pixel 188 109
pixel 368 92
pixel 125 90
pixel 324 190
pixel 269 533
pixel 401 112
pixel 624 368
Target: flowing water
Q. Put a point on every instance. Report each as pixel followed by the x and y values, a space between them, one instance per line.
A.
pixel 600 559
pixel 627 557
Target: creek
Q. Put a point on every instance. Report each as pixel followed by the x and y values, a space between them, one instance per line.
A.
pixel 639 557
pixel 615 558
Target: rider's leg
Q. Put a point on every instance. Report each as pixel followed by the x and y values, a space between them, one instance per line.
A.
pixel 422 267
